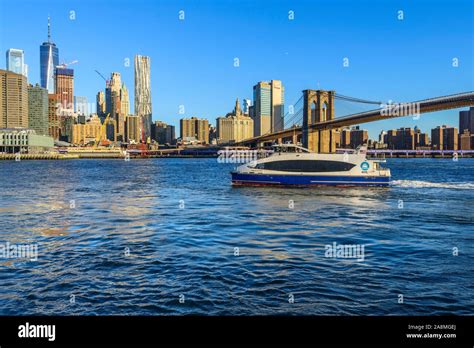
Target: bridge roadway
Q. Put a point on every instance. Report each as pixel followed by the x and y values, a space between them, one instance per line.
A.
pixel 389 111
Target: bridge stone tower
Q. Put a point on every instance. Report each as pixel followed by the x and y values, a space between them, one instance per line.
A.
pixel 318 107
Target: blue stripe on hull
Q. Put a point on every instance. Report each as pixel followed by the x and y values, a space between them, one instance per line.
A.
pixel 308 180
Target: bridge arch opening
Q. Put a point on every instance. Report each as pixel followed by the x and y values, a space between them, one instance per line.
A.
pixel 324 112
pixel 314 107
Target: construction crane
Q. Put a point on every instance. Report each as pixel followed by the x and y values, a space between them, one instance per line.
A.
pixel 101 75
pixel 106 81
pixel 65 65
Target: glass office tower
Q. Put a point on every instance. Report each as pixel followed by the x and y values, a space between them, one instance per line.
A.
pixel 49 59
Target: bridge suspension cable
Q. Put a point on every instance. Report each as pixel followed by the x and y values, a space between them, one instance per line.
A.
pixel 293 117
pixel 356 100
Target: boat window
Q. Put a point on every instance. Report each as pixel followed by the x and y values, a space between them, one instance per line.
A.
pixel 306 166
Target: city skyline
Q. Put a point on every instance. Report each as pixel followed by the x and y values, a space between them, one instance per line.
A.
pixel 186 59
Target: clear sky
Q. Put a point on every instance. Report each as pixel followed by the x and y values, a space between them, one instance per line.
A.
pixel 192 60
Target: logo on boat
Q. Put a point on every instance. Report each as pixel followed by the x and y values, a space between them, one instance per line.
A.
pixel 364 165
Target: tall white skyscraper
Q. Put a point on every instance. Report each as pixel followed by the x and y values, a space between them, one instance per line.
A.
pixel 143 92
pixel 16 62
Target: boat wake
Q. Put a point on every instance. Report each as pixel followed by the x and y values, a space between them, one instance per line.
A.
pixel 427 184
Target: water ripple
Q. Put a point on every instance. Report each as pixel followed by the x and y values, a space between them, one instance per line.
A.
pixel 114 236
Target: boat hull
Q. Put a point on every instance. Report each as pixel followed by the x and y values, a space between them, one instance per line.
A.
pixel 248 179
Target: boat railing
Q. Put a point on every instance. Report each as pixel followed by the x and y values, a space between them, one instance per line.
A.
pixel 264 153
pixel 376 156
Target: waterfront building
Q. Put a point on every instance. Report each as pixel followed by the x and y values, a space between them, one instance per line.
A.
pixel 16 62
pixel 143 92
pixel 22 140
pixel 450 138
pixel 132 129
pixel 235 126
pixel 390 139
pixel 422 140
pixel 466 129
pixel 81 107
pixel 437 138
pixel 88 132
pixel 444 138
pixel 268 111
pixel 54 128
pixel 38 109
pixel 49 59
pixel 163 133
pixel 466 140
pixel 351 137
pixel 358 137
pixel 345 141
pixel 100 104
pixel 405 139
pixel 13 100
pixel 195 128
pixel 337 136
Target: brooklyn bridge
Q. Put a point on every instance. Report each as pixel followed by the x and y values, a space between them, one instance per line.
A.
pixel 312 119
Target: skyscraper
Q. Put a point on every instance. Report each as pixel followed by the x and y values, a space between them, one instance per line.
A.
pixel 16 62
pixel 112 90
pixel 163 133
pixel 132 129
pixel 100 100
pixel 113 102
pixel 64 87
pixel 466 121
pixel 13 100
pixel 358 137
pixel 49 59
pixel 247 105
pixel 54 129
pixel 143 92
pixel 269 104
pixel 38 109
pixel 81 106
pixel 124 111
pixel 124 100
pixel 444 138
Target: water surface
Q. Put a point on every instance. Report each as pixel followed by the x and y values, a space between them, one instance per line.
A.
pixel 132 237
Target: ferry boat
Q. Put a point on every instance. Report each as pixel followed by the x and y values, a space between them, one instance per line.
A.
pixel 293 165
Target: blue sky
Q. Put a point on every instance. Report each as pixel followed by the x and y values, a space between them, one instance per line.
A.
pixel 192 61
